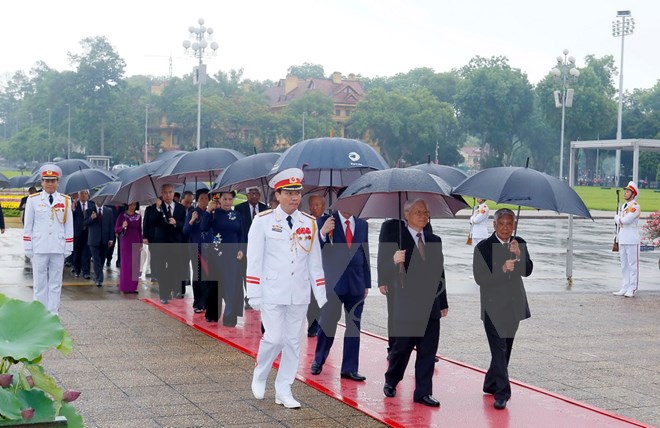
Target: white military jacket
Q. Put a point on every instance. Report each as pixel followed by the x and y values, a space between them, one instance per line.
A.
pixel 283 263
pixel 48 228
pixel 479 222
pixel 628 217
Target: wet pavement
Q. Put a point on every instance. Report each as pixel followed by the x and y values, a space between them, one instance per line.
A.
pixel 139 367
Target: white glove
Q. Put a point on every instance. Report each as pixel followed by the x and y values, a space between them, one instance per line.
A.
pixel 67 254
pixel 255 302
pixel 322 301
pixel 29 254
pixel 616 219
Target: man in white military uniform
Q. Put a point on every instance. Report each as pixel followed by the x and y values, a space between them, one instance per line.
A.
pixel 479 222
pixel 283 263
pixel 48 237
pixel 626 220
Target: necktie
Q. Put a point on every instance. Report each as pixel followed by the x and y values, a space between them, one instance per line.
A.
pixel 84 207
pixel 289 220
pixel 50 199
pixel 254 211
pixel 169 211
pixel 101 213
pixel 420 246
pixel 349 234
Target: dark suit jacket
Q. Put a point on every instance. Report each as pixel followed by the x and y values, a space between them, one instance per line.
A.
pixel 347 270
pixel 163 232
pixel 419 292
pixel 100 230
pixel 245 210
pixel 79 218
pixel 147 224
pixel 503 295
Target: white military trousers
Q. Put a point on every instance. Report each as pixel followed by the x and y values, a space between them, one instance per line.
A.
pixel 629 255
pixel 284 325
pixel 47 272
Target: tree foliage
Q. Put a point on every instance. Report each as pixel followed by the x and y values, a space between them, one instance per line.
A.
pixel 307 71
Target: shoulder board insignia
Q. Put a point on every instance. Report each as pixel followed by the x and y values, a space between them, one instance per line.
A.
pixel 34 194
pixel 263 213
pixel 66 196
pixel 308 215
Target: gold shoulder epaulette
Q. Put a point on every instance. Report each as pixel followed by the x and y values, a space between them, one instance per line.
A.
pixel 66 196
pixel 34 194
pixel 308 215
pixel 263 213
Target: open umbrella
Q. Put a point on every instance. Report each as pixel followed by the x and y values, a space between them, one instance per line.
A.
pixel 4 181
pixel 67 166
pixel 106 194
pixel 246 172
pixel 381 194
pixel 84 179
pixel 19 181
pixel 139 183
pixel 525 187
pixel 192 186
pixel 201 165
pixel 453 176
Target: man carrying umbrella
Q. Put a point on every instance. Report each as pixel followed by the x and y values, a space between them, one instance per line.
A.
pixel 626 220
pixel 499 264
pixel 284 262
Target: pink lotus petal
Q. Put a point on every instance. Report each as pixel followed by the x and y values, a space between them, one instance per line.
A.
pixel 6 379
pixel 70 395
pixel 27 413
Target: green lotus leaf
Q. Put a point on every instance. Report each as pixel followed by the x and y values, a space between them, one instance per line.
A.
pixel 73 418
pixel 10 407
pixel 67 344
pixel 44 382
pixel 3 299
pixel 27 330
pixel 44 408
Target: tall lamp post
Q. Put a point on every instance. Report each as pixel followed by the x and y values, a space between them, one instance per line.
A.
pixel 564 73
pixel 146 133
pixel 621 28
pixel 48 110
pixel 68 138
pixel 199 36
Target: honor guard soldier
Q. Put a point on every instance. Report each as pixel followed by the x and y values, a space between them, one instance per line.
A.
pixel 283 263
pixel 626 220
pixel 478 222
pixel 48 237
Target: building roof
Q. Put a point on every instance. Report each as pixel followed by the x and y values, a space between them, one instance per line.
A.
pixel 341 91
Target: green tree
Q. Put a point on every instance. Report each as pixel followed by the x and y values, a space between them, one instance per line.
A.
pixel 307 71
pixel 317 109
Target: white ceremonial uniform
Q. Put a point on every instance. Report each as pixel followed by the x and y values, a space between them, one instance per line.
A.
pixel 47 240
pixel 628 218
pixel 479 222
pixel 282 264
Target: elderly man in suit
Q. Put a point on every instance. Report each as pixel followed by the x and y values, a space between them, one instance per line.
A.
pixel 81 252
pixel 412 271
pixel 345 253
pixel 100 223
pixel 167 218
pixel 499 264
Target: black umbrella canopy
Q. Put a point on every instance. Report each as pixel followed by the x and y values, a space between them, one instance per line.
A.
pixel 331 162
pixel 202 165
pixel 381 194
pixel 84 179
pixel 246 172
pixel 139 183
pixel 192 186
pixel 4 181
pixel 523 187
pixel 67 166
pixel 453 176
pixel 18 181
pixel 106 194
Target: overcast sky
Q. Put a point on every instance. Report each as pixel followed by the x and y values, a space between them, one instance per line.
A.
pixel 367 37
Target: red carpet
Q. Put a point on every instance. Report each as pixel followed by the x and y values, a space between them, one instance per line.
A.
pixel 456 385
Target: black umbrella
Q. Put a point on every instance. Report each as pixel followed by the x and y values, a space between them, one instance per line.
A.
pixel 139 183
pixel 67 166
pixel 84 179
pixel 247 172
pixel 330 163
pixel 19 181
pixel 453 176
pixel 106 194
pixel 4 181
pixel 192 186
pixel 523 187
pixel 381 194
pixel 201 165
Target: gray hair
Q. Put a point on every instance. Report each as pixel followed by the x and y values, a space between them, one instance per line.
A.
pixel 409 203
pixel 502 212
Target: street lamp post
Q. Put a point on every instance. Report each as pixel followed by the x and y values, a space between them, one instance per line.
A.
pixel 621 28
pixel 68 138
pixel 563 73
pixel 303 126
pixel 48 110
pixel 200 36
pixel 146 133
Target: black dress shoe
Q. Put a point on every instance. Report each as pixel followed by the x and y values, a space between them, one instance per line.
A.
pixel 313 329
pixel 229 322
pixel 389 390
pixel 164 301
pixel 86 276
pixel 499 404
pixel 437 359
pixel 428 400
pixel 211 320
pixel 353 376
pixel 98 284
pixel 316 368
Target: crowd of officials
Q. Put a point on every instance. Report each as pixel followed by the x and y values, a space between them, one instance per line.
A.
pixel 286 259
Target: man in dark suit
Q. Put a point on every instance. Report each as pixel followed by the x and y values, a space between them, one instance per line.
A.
pixel 499 264
pixel 147 238
pixel 345 251
pixel 100 222
pixel 248 210
pixel 81 252
pixel 412 271
pixel 167 219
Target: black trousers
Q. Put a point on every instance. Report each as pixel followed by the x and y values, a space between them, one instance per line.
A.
pixel 496 381
pixel 427 347
pixel 81 255
pixel 169 266
pixel 98 257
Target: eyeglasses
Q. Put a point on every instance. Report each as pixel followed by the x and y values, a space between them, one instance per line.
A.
pixel 420 212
